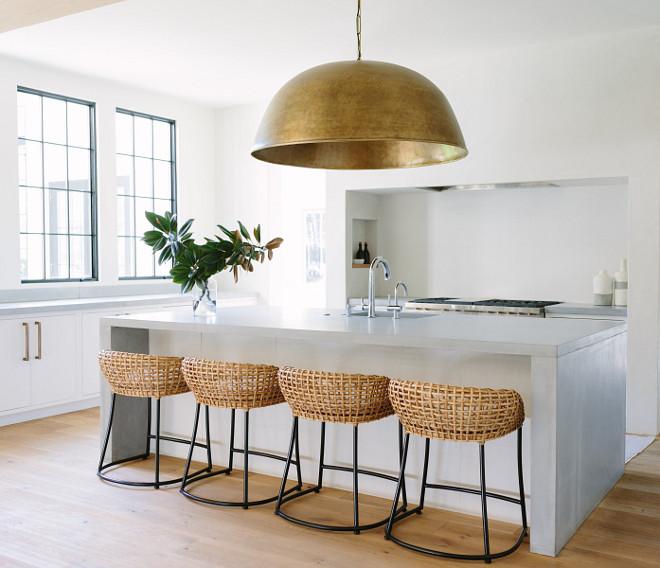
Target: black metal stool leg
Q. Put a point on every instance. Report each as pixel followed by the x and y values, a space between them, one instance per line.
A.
pixel 107 432
pixel 293 443
pixel 404 496
pixel 147 450
pixel 245 459
pixel 232 447
pixel 399 485
pixel 356 511
pixel 209 460
pixel 484 507
pixel 157 453
pixel 422 493
pixel 298 463
pixel 523 507
pixel 319 485
pixel 193 437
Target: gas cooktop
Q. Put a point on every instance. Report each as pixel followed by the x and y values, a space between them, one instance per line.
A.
pixel 532 308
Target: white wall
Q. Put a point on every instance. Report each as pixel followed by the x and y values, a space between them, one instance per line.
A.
pixel 195 163
pixel 275 196
pixel 575 110
pixel 532 243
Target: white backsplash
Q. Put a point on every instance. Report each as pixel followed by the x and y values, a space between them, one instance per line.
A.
pixel 532 243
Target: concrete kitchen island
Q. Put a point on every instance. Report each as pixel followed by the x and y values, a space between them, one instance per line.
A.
pixel 570 373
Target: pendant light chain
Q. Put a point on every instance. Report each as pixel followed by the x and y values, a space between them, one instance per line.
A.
pixel 358 23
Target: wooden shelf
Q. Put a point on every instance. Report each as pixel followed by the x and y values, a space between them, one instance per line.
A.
pixel 361 265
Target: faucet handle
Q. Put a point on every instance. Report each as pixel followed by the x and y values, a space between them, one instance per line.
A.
pixel 396 292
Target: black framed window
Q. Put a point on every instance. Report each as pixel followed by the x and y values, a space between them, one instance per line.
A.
pixel 146 181
pixel 57 187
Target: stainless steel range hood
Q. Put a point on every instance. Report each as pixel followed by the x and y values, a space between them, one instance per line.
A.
pixel 588 182
pixel 480 186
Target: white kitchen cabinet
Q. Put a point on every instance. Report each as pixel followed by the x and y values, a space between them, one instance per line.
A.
pixel 53 359
pixel 15 374
pixel 65 377
pixel 39 361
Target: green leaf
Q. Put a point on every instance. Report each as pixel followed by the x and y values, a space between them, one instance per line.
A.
pixel 257 233
pixel 152 218
pixel 227 232
pixel 244 231
pixel 184 228
pixel 165 256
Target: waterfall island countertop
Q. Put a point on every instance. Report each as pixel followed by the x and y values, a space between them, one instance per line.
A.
pixel 571 374
pixel 493 334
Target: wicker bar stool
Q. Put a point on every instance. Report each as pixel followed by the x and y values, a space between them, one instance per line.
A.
pixel 235 386
pixel 461 414
pixel 341 398
pixel 144 376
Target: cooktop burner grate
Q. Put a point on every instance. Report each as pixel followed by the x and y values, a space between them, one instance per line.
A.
pixel 516 303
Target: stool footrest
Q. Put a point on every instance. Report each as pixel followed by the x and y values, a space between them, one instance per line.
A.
pixel 156 483
pixel 473 492
pixel 455 556
pixel 139 483
pixel 487 555
pixel 245 502
pixel 356 527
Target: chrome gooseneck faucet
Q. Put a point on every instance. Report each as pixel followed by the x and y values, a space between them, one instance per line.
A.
pixel 372 284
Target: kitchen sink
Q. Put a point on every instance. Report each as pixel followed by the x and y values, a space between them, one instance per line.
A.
pixel 402 315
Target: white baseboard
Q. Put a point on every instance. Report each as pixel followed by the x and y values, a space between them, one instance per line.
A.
pixel 15 416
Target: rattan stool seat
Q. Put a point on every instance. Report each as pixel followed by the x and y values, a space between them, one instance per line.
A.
pixel 335 397
pixel 340 398
pixel 137 374
pixel 143 376
pixel 237 386
pixel 232 385
pixel 459 414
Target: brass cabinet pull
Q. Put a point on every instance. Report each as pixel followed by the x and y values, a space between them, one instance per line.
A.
pixel 38 324
pixel 27 341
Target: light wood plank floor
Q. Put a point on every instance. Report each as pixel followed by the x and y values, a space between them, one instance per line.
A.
pixel 55 512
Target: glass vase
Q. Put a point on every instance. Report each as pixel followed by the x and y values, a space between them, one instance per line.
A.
pixel 204 298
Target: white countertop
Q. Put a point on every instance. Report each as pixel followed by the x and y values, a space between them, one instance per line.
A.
pixel 493 334
pixel 587 309
pixel 98 303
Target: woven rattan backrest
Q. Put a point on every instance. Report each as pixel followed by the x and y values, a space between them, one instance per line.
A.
pixel 335 397
pixel 463 414
pixel 136 374
pixel 232 385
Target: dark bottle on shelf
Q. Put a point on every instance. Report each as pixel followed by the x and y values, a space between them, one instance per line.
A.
pixel 367 256
pixel 359 255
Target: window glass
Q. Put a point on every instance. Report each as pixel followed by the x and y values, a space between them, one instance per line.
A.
pixel 56 176
pixel 145 182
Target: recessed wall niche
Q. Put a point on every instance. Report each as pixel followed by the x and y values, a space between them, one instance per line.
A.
pixel 363 231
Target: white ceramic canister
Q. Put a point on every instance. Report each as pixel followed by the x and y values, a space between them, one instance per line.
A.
pixel 603 289
pixel 621 284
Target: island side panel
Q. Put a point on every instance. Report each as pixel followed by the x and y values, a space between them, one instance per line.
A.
pixel 130 423
pixel 542 483
pixel 591 426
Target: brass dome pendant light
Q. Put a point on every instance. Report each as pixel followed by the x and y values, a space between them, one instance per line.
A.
pixel 359 115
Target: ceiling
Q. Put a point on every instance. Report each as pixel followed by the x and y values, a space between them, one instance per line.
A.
pixel 226 52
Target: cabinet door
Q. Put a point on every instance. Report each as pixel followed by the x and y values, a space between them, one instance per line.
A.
pixel 53 375
pixel 91 376
pixel 14 372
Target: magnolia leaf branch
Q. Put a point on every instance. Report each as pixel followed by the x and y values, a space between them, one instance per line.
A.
pixel 195 264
